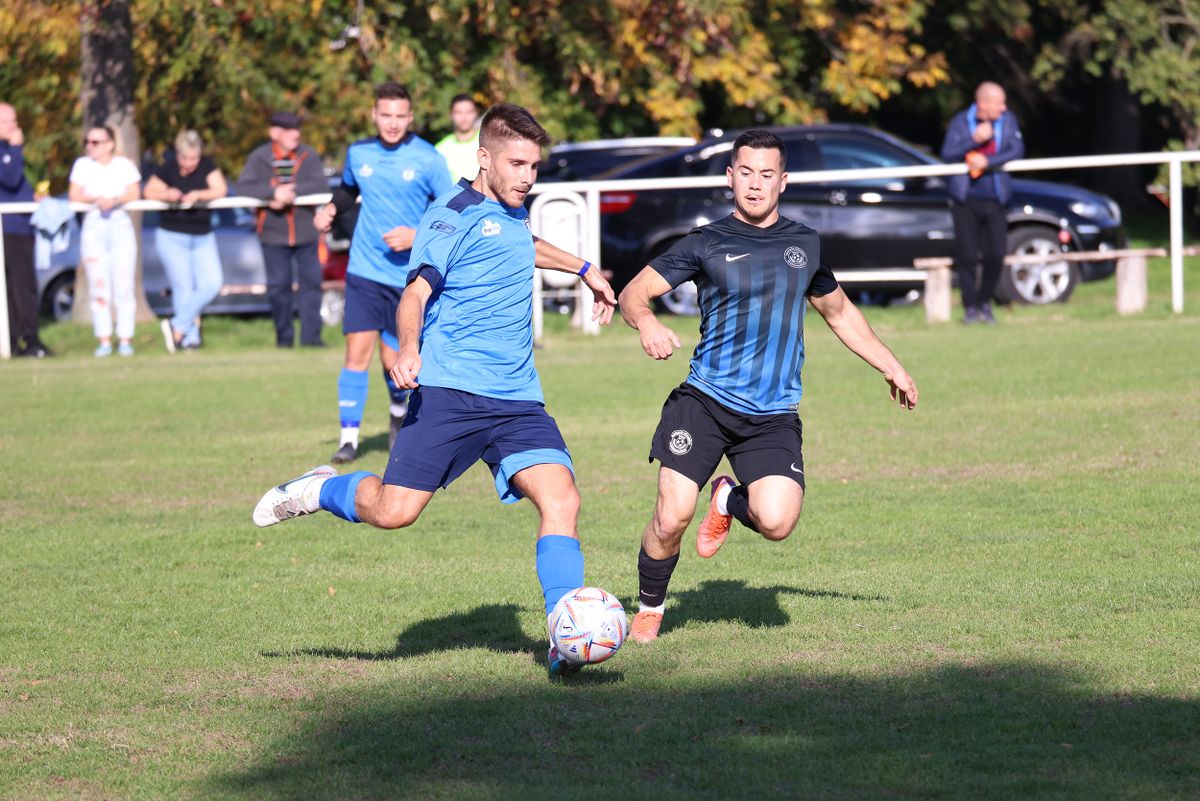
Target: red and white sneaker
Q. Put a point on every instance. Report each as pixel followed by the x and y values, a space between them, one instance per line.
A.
pixel 714 528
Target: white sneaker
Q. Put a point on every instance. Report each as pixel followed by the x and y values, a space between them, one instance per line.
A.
pixel 168 334
pixel 300 496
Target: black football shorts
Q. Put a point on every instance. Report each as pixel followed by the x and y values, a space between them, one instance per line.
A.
pixel 695 431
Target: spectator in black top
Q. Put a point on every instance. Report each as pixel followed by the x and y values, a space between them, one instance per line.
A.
pixel 185 239
pixel 18 240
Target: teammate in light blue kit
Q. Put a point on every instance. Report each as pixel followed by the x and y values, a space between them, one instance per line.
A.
pixel 466 348
pixel 398 175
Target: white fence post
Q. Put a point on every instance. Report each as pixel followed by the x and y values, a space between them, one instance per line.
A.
pixel 5 344
pixel 591 245
pixel 1175 170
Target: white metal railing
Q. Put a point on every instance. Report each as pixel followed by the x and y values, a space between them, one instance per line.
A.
pixel 589 192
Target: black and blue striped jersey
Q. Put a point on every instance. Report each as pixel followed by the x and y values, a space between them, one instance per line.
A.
pixel 752 285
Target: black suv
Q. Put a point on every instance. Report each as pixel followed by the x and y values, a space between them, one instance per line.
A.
pixel 864 224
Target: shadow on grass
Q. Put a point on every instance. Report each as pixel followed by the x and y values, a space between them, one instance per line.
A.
pixel 959 731
pixel 494 626
pixel 718 600
pixel 497 627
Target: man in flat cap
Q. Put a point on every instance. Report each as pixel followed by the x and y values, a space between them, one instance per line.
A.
pixel 277 172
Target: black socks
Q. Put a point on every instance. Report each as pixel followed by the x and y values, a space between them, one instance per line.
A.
pixel 653 577
pixel 738 505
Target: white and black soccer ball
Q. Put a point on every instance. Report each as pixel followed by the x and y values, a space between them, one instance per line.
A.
pixel 588 625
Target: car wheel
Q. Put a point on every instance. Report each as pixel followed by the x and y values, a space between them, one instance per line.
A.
pixel 1051 281
pixel 58 300
pixel 333 307
pixel 682 300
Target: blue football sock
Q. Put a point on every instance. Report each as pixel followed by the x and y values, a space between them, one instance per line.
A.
pixel 559 567
pixel 352 396
pixel 395 392
pixel 337 495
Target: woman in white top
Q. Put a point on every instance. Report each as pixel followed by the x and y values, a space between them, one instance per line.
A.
pixel 107 242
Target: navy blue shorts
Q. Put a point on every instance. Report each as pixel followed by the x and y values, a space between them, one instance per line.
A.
pixel 371 306
pixel 447 430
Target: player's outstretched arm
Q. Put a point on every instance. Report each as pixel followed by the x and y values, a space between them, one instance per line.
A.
pixel 549 257
pixel 658 341
pixel 844 318
pixel 410 316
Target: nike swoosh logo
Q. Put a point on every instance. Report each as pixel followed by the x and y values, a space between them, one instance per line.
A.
pixel 731 257
pixel 283 487
pixel 796 469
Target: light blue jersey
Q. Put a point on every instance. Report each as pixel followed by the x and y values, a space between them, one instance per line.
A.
pixel 477 254
pixel 396 183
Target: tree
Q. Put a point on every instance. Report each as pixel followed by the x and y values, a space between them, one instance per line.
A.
pixel 106 71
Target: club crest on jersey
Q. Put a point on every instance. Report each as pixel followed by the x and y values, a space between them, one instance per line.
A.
pixel 490 228
pixel 795 257
pixel 365 171
pixel 408 174
pixel 680 442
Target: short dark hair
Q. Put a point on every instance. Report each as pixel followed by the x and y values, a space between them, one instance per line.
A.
pixel 760 139
pixel 390 90
pixel 462 98
pixel 509 121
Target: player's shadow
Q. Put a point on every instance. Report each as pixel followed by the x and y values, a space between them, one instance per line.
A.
pixel 719 600
pixel 494 626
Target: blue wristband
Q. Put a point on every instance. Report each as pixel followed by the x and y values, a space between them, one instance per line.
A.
pixel 587 265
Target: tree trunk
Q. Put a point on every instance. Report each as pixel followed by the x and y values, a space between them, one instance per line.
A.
pixel 106 68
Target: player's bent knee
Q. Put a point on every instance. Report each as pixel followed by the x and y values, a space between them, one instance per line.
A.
pixel 777 533
pixel 400 515
pixel 669 524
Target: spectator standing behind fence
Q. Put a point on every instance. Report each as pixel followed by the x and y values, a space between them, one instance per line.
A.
pixel 107 244
pixel 461 148
pixel 985 135
pixel 277 172
pixel 18 240
pixel 185 239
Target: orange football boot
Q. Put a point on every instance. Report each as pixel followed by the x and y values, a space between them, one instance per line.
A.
pixel 645 626
pixel 714 528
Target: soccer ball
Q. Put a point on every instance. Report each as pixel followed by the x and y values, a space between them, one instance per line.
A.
pixel 588 626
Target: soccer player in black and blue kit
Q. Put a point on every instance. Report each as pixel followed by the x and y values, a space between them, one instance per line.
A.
pixel 466 349
pixel 754 271
pixel 397 174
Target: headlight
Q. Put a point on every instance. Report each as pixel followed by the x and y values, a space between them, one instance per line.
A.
pixel 1088 209
pixel 1114 211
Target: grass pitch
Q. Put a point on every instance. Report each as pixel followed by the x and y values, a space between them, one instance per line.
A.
pixel 992 597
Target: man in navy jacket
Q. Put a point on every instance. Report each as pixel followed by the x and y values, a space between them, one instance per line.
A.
pixel 18 240
pixel 985 135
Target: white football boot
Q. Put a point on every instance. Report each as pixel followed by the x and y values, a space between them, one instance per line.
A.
pixel 300 496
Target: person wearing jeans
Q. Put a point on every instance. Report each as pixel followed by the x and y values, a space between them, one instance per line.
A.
pixel 185 240
pixel 107 243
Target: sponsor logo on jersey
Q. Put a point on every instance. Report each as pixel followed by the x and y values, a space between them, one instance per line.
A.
pixel 365 171
pixel 490 228
pixel 680 442
pixel 408 174
pixel 795 257
pixel 444 227
pixel 731 257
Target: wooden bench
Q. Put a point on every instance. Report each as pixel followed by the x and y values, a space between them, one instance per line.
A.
pixel 1131 276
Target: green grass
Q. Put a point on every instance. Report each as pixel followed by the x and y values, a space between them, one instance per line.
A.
pixel 992 597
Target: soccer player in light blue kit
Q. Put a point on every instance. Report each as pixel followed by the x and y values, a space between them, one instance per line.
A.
pixel 398 175
pixel 466 349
